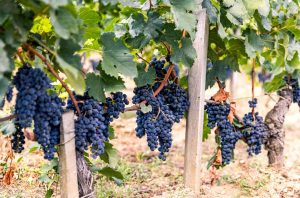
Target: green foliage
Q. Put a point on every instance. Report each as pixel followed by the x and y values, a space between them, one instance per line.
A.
pixel 116 57
pixel 206 130
pixel 265 30
pixel 64 30
pixel 145 77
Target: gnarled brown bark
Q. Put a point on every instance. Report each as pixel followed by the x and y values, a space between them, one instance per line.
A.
pixel 85 178
pixel 274 121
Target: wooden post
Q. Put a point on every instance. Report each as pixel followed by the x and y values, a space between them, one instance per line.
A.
pixel 67 157
pixel 196 80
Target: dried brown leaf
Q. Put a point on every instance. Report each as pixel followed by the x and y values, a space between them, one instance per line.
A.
pixel 7 179
pixel 218 160
pixel 221 96
pixel 232 112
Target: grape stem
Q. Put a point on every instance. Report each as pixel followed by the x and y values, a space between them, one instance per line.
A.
pixel 7 118
pixel 166 46
pixel 55 74
pixel 161 86
pixel 164 82
pixel 18 53
pixel 142 58
pixel 150 4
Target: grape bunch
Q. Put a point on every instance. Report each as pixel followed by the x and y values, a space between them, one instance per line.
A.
pixel 92 127
pixel 167 108
pixel 254 131
pixel 264 76
pixel 216 113
pixel 296 89
pixel 31 84
pixel 158 65
pixel 9 93
pixel 252 103
pixel 46 123
pixel 8 96
pixel 18 139
pixel 218 116
pixel 229 137
pixel 34 104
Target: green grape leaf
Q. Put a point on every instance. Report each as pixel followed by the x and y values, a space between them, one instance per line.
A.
pixel 111 173
pixel 292 25
pixel 7 128
pixel 116 57
pixel 263 7
pixel 236 8
pixel 150 29
pixel 144 77
pixel 3 86
pixel 56 3
pixel 186 54
pixel 4 61
pixel 36 6
pixel 74 76
pixel 64 22
pixel 211 11
pixel 67 52
pixel 136 24
pixel 183 14
pixel 89 16
pixel 7 8
pixel 253 44
pixel 146 108
pixel 41 25
pixel 49 193
pixel 219 70
pixel 95 86
pixel 112 154
pixel 275 84
pixel 295 61
pixel 206 129
pixel 112 84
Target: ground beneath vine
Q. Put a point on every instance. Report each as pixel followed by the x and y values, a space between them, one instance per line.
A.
pixel 147 176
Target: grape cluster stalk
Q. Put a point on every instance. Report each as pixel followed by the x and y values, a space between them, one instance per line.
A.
pixel 167 108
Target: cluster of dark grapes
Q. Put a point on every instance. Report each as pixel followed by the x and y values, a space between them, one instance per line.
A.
pixel 167 108
pixel 264 76
pixel 254 131
pixel 18 139
pixel 92 127
pixel 216 113
pixel 296 89
pixel 229 137
pixel 218 116
pixel 158 65
pixel 252 103
pixel 34 104
pixel 8 96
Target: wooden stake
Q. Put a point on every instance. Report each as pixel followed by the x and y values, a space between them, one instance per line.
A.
pixel 197 77
pixel 67 157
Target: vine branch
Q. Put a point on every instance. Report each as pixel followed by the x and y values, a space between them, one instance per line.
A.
pixel 18 53
pixel 161 86
pixel 142 58
pixel 252 83
pixel 7 118
pixel 55 74
pixel 165 80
